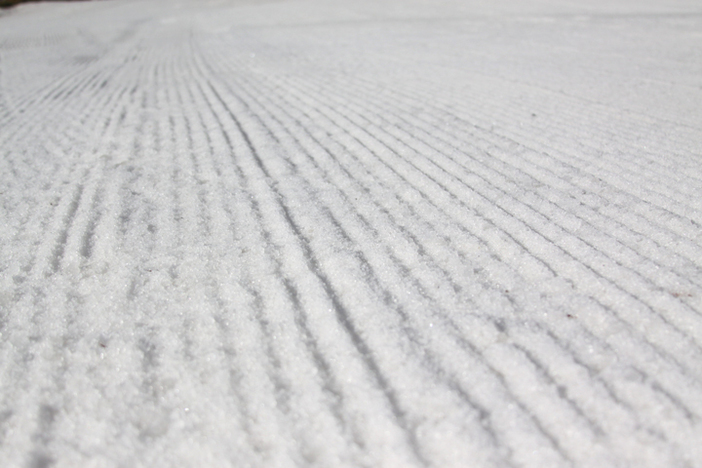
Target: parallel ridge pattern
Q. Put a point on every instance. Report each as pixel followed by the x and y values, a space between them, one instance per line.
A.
pixel 334 246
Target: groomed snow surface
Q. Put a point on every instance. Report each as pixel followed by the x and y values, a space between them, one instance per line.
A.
pixel 334 233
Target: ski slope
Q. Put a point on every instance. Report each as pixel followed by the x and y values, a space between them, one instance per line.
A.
pixel 308 233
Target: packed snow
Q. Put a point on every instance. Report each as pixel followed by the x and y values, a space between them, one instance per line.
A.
pixel 351 233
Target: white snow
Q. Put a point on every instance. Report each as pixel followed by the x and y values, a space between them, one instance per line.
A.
pixel 351 233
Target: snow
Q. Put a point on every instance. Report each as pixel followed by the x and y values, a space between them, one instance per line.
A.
pixel 351 233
